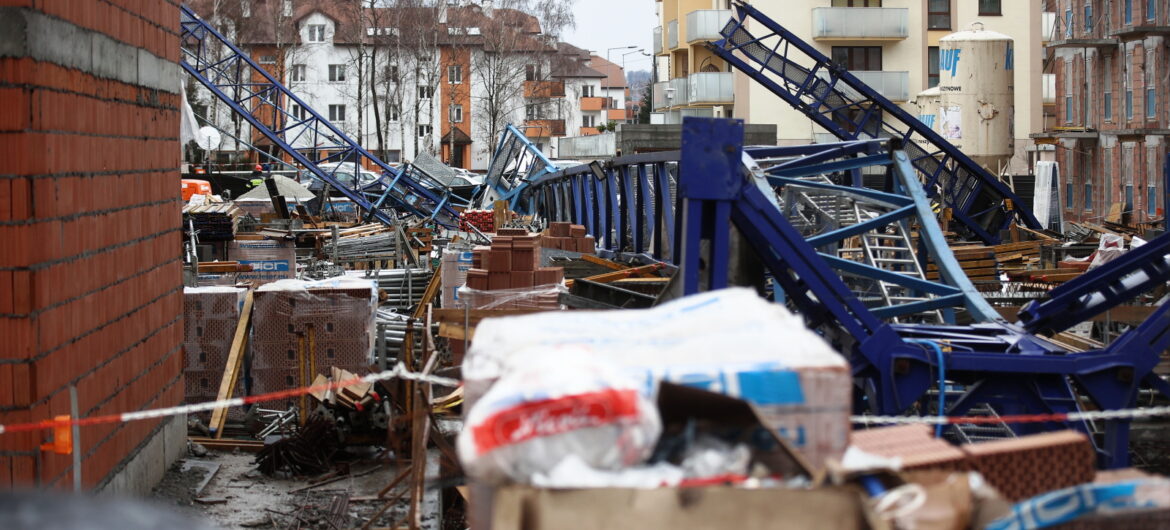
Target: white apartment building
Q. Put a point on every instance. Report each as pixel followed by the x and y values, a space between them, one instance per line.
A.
pixel 893 45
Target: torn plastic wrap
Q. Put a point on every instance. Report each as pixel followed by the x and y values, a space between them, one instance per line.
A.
pixel 456 263
pixel 328 321
pixel 553 406
pixel 271 260
pixel 729 341
pixel 541 297
pixel 210 318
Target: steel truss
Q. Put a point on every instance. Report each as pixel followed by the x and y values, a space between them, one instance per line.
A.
pixel 680 206
pixel 837 100
pixel 260 99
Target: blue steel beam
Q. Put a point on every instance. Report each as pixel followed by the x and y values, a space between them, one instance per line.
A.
pixel 979 201
pixel 235 72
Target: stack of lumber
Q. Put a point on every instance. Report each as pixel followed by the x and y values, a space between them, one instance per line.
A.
pixel 214 221
pixel 1018 256
pixel 979 263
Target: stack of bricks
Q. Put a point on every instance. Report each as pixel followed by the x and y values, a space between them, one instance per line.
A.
pixel 91 291
pixel 482 220
pixel 1020 468
pixel 567 236
pixel 508 275
pixel 210 318
pixel 341 319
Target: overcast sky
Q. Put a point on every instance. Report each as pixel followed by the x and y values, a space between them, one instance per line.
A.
pixel 603 24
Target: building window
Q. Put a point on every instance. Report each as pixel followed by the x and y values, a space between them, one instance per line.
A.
pixel 267 59
pixel 1088 17
pixel 1068 109
pixel 1128 104
pixel 424 130
pixel 857 3
pixel 1108 82
pixel 587 91
pixel 456 113
pixel 316 33
pixel 858 58
pixel 1151 9
pixel 1088 194
pixel 1151 103
pixel 1127 10
pixel 455 74
pixel 1151 196
pixel 426 92
pixel 286 8
pixel 246 8
pixel 392 112
pixel 990 8
pixel 336 113
pixel 296 111
pixel 932 66
pixel 336 73
pixel 588 121
pixel 297 73
pixel 532 111
pixel 1068 23
pixel 939 14
pixel 532 72
pixel 1068 194
pixel 1106 179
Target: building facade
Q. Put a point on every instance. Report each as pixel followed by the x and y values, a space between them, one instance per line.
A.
pixel 1111 116
pixel 444 78
pixel 892 45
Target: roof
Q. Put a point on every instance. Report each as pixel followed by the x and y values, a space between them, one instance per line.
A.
pixel 615 76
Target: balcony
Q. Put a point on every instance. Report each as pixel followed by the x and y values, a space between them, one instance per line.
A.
pixel 1074 31
pixel 544 128
pixel 544 89
pixel 594 104
pixel 658 40
pixel 710 88
pixel 659 96
pixel 895 86
pixel 589 131
pixel 676 92
pixel 672 35
pixel 704 25
pixel 870 23
pixel 618 115
pixel 1048 89
pixel 1047 26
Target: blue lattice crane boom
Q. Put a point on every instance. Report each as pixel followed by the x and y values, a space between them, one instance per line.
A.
pixel 239 82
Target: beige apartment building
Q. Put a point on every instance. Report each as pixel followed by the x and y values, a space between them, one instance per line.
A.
pixel 893 45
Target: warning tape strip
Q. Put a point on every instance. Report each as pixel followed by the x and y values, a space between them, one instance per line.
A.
pixel 1093 415
pixel 398 372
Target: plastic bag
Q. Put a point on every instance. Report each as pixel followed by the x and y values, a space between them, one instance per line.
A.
pixel 560 402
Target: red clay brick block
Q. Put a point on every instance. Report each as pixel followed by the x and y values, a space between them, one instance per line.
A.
pixel 1025 467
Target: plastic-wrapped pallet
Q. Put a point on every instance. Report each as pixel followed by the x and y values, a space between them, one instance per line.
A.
pixel 453 273
pixel 210 316
pixel 729 341
pixel 340 312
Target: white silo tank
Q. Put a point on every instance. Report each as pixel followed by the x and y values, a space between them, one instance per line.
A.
pixel 927 102
pixel 977 95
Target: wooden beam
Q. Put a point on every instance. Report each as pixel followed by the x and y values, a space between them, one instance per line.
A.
pixel 610 277
pixel 231 372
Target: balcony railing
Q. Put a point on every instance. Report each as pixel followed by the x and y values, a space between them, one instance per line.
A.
pixel 879 23
pixel 659 95
pixel 589 131
pixel 895 86
pixel 544 89
pixel 710 87
pixel 594 104
pixel 672 34
pixel 658 40
pixel 544 128
pixel 705 24
pixel 618 115
pixel 1047 26
pixel 676 93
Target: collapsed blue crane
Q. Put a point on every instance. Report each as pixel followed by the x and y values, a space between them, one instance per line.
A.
pixel 680 206
pixel 259 98
pixel 838 101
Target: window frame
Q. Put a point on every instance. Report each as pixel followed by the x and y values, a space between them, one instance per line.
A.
pixel 337 113
pixel 315 30
pixel 866 57
pixel 931 14
pixel 334 69
pixel 457 70
pixel 455 113
pixel 418 130
pixel 933 71
pixel 298 73
pixel 425 92
pixel 998 8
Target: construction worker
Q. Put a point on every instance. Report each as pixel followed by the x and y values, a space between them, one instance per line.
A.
pixel 257 176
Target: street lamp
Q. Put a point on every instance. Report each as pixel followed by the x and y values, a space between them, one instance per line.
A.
pixel 639 50
pixel 605 86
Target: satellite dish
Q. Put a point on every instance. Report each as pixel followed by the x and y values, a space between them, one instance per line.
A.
pixel 208 138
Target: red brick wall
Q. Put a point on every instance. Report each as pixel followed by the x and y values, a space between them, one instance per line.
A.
pixel 90 277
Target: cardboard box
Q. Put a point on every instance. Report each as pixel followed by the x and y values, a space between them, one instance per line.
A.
pixel 271 260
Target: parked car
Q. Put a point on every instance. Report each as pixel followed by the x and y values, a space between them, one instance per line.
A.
pixel 368 181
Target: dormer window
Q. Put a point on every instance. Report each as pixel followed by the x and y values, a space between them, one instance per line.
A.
pixel 316 33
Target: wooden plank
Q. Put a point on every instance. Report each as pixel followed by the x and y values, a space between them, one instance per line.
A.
pixel 610 277
pixel 475 315
pixel 500 215
pixel 603 262
pixel 428 296
pixel 235 361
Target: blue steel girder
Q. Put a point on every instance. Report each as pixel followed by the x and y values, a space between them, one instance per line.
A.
pixel 979 201
pixel 1000 364
pixel 251 92
pixel 515 163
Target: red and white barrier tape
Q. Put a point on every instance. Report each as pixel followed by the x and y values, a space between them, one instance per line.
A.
pixel 399 372
pixel 1094 415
